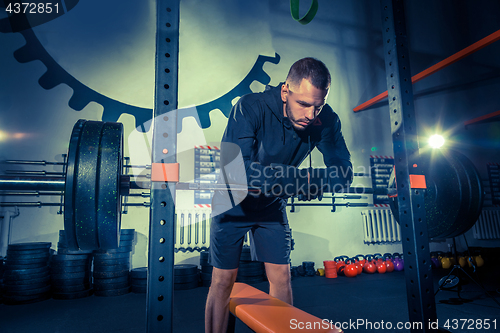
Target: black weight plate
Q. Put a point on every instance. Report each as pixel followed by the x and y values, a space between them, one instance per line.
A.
pixel 69 257
pixel 67 251
pixel 29 246
pixel 30 292
pixel 70 282
pixel 139 289
pixel 252 272
pixel 206 283
pixel 186 278
pixel 186 286
pixel 70 263
pixel 18 282
pixel 126 243
pixel 106 256
pixel 109 275
pixel 185 269
pixel 87 186
pixel 139 273
pixel 70 289
pixel 207 269
pixel 111 286
pixel 102 281
pixel 27 262
pixel 25 272
pixel 138 282
pixel 111 268
pixel 72 295
pixel 24 287
pixel 17 256
pixel 17 300
pixel 20 267
pixel 69 269
pixel 245 254
pixel 449 282
pixel 476 194
pixel 250 280
pixel 71 184
pixel 127 237
pixel 113 292
pixel 121 249
pixel 70 276
pixel 127 231
pixel 28 252
pixel 206 276
pixel 251 265
pixel 109 171
pixel 109 262
pixel 11 278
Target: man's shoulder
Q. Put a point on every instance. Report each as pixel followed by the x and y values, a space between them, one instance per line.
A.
pixel 259 100
pixel 327 116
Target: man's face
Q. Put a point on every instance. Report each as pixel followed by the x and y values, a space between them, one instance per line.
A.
pixel 302 103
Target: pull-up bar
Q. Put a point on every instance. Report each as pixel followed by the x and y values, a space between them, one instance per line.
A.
pixel 437 67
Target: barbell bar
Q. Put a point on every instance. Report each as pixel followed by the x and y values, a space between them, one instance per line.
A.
pixel 94 184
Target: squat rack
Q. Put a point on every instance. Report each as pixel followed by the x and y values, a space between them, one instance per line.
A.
pixel 420 294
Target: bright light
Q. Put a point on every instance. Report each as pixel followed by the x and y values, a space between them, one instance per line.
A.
pixel 436 141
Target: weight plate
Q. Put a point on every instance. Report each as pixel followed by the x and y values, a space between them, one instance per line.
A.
pixel 127 231
pixel 70 282
pixel 138 282
pixel 121 249
pixel 449 199
pixel 251 265
pixel 70 263
pixel 25 272
pixel 207 283
pixel 79 252
pixel 139 273
pixel 139 289
pixel 106 256
pixel 126 237
pixel 70 276
pixel 207 269
pixel 111 268
pixel 186 286
pixel 16 256
pixel 27 262
pixel 18 282
pixel 109 171
pixel 69 269
pixel 108 275
pixel 28 292
pixel 186 278
pixel 70 257
pixel 9 266
pixel 185 269
pixel 108 262
pixel 70 186
pixel 449 282
pixel 70 289
pixel 72 295
pixel 17 300
pixel 113 292
pixel 110 280
pixel 250 280
pixel 29 246
pixel 23 287
pixel 87 185
pixel 27 252
pixel 13 278
pixel 206 276
pixel 111 286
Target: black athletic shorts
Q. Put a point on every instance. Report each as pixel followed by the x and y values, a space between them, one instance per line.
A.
pixel 270 238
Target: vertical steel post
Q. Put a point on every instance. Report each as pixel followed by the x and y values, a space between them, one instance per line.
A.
pixel 162 213
pixel 419 283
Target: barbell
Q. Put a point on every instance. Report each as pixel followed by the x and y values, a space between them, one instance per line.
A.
pixel 93 183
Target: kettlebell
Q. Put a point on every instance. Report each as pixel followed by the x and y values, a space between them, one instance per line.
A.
pixel 340 265
pixel 446 262
pixel 398 262
pixel 369 266
pixel 388 262
pixel 462 261
pixel 359 267
pixel 479 261
pixel 350 270
pixel 361 259
pixel 381 267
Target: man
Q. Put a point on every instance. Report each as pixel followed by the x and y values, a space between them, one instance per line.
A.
pixel 273 131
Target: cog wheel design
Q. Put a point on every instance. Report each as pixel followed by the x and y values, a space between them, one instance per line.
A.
pixel 113 109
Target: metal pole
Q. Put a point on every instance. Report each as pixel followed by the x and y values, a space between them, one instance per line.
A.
pixel 418 273
pixel 32 183
pixel 162 213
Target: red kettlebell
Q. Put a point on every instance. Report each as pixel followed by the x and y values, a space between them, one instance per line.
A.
pixel 340 265
pixel 369 266
pixel 351 270
pixel 388 262
pixel 361 259
pixel 358 265
pixel 381 267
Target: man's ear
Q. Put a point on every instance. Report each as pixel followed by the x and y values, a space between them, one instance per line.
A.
pixel 284 92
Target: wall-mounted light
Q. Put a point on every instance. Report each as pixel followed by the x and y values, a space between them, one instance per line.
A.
pixel 436 141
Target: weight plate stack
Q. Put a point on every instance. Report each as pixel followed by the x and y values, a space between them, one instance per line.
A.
pixel 186 276
pixel 70 275
pixel 308 267
pixel 139 280
pixel 250 271
pixel 206 269
pixel 112 267
pixel 26 278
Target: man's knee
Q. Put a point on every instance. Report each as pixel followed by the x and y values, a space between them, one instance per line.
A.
pixel 223 278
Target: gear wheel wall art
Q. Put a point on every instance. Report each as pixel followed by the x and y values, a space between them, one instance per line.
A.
pixel 112 109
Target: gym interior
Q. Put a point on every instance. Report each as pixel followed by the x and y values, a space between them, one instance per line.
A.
pixel 71 64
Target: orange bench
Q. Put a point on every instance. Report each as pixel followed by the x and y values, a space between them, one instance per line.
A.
pixel 264 313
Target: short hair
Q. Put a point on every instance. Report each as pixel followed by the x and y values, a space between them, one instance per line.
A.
pixel 311 69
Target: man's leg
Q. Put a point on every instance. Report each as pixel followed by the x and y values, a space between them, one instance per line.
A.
pixel 279 282
pixel 217 307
